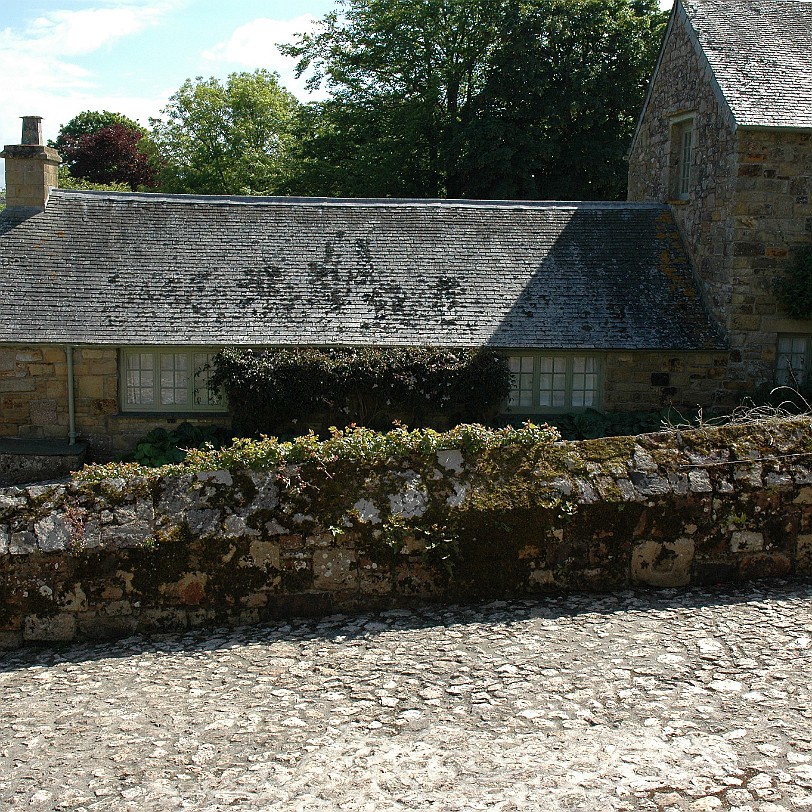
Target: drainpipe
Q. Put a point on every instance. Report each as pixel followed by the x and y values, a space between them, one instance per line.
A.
pixel 71 397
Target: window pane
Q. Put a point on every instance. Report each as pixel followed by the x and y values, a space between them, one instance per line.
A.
pixel 791 360
pixel 174 379
pixel 584 381
pixel 521 381
pixel 553 382
pixel 140 379
pixel 686 159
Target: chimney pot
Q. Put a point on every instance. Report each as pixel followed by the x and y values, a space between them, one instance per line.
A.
pixel 32 130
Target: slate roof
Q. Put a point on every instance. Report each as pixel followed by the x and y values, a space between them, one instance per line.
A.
pixel 115 268
pixel 760 52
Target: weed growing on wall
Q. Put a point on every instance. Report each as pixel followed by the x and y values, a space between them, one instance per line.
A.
pixel 398 473
pixel 284 391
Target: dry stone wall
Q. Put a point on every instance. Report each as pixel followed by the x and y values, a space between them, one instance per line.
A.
pixel 121 556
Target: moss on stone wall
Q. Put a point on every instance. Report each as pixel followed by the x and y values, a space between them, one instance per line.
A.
pixel 367 521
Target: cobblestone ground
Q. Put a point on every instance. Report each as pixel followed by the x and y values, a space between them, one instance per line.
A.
pixel 677 700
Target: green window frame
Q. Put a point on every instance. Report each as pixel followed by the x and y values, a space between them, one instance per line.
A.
pixel 682 154
pixel 792 359
pixel 547 383
pixel 168 379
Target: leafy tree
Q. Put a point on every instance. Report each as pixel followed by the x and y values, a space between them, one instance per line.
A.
pixel 226 138
pixel 111 155
pixel 403 76
pixel 91 121
pixel 99 147
pixel 563 92
pixel 67 181
pixel 474 98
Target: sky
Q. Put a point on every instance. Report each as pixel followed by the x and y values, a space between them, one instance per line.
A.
pixel 60 57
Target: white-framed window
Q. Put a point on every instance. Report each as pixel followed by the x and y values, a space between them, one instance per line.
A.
pixel 791 362
pixel 168 379
pixel 548 383
pixel 682 155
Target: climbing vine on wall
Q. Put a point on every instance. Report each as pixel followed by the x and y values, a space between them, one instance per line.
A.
pixel 286 391
pixel 794 288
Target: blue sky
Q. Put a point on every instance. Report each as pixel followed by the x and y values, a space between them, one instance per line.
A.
pixel 60 57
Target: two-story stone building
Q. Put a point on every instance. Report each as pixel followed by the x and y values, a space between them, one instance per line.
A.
pixel 111 304
pixel 725 139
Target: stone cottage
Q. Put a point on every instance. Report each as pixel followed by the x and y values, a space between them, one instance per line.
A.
pixel 111 304
pixel 725 139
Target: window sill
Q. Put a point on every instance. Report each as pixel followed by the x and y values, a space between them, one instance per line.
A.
pixel 171 416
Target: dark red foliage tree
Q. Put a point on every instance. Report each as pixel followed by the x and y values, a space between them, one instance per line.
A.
pixel 110 155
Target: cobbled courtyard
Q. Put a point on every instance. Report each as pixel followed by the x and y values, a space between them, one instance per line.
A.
pixel 672 700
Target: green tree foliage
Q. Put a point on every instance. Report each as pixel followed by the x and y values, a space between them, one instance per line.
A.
pixel 562 96
pixel 474 98
pixel 104 149
pixel 403 77
pixel 226 138
pixel 67 181
pixel 91 121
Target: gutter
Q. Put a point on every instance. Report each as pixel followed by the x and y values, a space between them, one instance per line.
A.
pixel 71 396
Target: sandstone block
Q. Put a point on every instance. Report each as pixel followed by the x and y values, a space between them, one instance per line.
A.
pixel 334 568
pixel 264 553
pixel 135 534
pixel 803 554
pixel 663 564
pixel 22 543
pixel 47 629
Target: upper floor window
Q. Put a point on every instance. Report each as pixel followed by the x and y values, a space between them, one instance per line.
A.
pixel 682 156
pixel 792 364
pixel 553 383
pixel 168 379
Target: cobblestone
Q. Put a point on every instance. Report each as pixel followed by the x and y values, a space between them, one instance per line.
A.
pixel 675 700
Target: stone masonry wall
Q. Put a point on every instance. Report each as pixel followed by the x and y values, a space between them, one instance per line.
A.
pixel 749 207
pixel 639 381
pixel 773 217
pixel 33 392
pixel 682 85
pixel 117 557
pixel 34 399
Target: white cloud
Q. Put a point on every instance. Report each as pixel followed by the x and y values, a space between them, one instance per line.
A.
pixel 71 33
pixel 41 78
pixel 253 45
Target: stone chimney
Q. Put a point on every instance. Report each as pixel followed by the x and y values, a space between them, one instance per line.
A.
pixel 31 168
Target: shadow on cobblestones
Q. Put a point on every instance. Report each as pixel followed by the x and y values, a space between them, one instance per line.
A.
pixel 368 625
pixel 674 701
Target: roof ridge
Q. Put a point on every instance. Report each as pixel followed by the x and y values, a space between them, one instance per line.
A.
pixel 268 200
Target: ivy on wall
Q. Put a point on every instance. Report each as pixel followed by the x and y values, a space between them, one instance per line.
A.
pixel 286 391
pixel 794 287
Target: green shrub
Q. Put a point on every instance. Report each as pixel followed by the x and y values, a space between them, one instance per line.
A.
pixel 591 424
pixel 162 447
pixel 284 391
pixel 353 445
